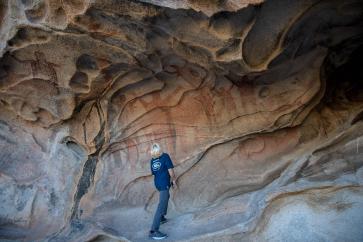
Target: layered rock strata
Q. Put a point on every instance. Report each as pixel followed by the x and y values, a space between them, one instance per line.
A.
pixel 259 104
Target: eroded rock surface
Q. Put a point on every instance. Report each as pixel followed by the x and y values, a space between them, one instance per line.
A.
pixel 259 103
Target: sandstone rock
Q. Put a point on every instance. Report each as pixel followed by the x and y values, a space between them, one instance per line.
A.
pixel 258 103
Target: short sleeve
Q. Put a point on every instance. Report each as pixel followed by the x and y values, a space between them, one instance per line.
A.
pixel 168 162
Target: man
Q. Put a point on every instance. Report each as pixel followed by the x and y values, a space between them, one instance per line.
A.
pixel 162 169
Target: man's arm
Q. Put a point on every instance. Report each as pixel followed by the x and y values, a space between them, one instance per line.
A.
pixel 173 177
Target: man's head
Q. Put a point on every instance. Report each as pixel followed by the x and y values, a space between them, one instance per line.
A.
pixel 155 150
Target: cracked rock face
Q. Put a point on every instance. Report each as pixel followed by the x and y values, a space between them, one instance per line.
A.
pixel 259 104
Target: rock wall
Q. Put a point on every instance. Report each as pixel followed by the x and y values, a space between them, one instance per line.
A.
pixel 259 104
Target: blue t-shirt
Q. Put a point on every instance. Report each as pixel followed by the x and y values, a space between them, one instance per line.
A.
pixel 159 168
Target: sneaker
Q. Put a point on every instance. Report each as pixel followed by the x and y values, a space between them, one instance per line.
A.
pixel 163 220
pixel 157 235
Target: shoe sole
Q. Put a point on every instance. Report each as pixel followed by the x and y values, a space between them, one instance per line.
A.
pixel 159 238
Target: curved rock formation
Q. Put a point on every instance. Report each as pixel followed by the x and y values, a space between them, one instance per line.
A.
pixel 259 103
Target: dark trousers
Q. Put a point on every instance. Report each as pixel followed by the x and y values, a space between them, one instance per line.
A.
pixel 161 210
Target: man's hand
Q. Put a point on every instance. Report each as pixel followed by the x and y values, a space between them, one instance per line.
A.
pixel 174 185
pixel 173 177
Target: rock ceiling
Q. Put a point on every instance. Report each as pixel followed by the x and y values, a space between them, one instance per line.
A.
pixel 259 103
